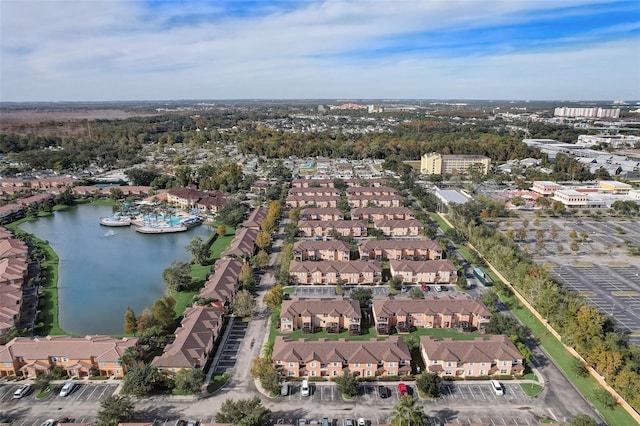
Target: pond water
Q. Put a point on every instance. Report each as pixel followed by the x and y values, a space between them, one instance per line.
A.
pixel 103 270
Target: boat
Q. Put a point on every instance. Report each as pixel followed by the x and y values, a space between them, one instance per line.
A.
pixel 161 229
pixel 191 221
pixel 115 221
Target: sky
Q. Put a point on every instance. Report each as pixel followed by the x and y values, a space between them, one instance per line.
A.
pixel 121 50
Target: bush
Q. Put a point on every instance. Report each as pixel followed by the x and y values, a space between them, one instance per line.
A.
pixel 579 368
pixel 604 397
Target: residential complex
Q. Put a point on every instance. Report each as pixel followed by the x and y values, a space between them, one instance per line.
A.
pixel 481 357
pixel 330 272
pixel 311 315
pixel 331 358
pixel 432 312
pixel 430 271
pixel 31 357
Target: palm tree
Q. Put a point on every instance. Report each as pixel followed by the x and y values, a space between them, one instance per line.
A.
pixel 406 413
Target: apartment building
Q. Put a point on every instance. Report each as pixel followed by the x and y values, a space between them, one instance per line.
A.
pixel 310 315
pixel 370 190
pixel 431 312
pixel 439 164
pixel 255 218
pixel 321 250
pixel 194 340
pixel 484 356
pixel 360 201
pixel 376 213
pixel 400 250
pixel 222 284
pixel 441 271
pixel 314 192
pixel 400 228
pixel 321 228
pixel 329 272
pixel 31 357
pixel 190 198
pixel 295 201
pixel 243 244
pixel 331 358
pixel 328 214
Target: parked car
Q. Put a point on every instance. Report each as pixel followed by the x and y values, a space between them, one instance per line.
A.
pixel 49 422
pixel 304 389
pixel 284 390
pixel 362 422
pixel 67 388
pixel 302 422
pixel 192 422
pixel 425 287
pixel 349 422
pixel 22 391
pixel 403 391
pixel 383 391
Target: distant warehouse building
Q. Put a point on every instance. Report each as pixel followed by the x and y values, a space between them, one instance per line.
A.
pixel 438 164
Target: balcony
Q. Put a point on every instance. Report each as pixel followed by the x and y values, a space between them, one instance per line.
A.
pixel 354 330
pixel 403 327
pixel 333 327
pixel 382 329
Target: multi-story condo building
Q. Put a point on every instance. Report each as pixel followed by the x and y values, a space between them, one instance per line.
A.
pixel 328 214
pixel 431 312
pixel 31 357
pixel 310 315
pixel 400 250
pixel 194 340
pixel 243 245
pixel 400 228
pixel 331 358
pixel 222 284
pixel 439 164
pixel 359 201
pixel 321 250
pixel 484 356
pixel 594 112
pixel 189 198
pixel 441 271
pixel 295 201
pixel 370 190
pixel 380 213
pixel 344 228
pixel 314 192
pixel 329 272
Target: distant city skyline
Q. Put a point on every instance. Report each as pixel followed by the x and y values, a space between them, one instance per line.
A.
pixel 122 50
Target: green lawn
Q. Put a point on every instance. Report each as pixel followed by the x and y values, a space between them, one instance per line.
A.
pixel 220 245
pixel 564 360
pixel 289 290
pixel 441 223
pixel 531 389
pixel 183 298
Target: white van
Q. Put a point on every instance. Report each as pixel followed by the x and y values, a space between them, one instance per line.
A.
pixel 304 389
pixel 497 387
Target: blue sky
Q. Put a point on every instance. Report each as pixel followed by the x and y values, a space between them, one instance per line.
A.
pixel 68 50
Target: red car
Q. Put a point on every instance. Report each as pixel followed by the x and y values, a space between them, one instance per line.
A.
pixel 403 391
pixel 425 287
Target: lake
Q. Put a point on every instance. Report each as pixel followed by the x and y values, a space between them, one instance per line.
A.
pixel 103 270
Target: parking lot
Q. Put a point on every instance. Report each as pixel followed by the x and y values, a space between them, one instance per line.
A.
pixel 82 392
pixel 229 349
pixel 615 290
pixel 513 393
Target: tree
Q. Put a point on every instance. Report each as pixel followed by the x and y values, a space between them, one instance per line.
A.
pixel 262 368
pixel 130 321
pixel 347 384
pixel 244 412
pixel 115 409
pixel 521 234
pixel 243 304
pixel 66 198
pixel 116 193
pixel 163 313
pixel 603 396
pixel 274 297
pixel 429 384
pixel 574 246
pixel 261 260
pixel 130 357
pixel 578 368
pixel 246 277
pixel 145 321
pixel 177 276
pixel 583 420
pixel 416 293
pixel 199 250
pixel 42 382
pixel 139 381
pixel 221 230
pixel 362 295
pixel 405 412
pixel 232 213
pixel 263 240
pixel 189 380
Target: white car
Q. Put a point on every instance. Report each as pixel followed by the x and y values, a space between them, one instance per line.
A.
pixel 49 422
pixel 362 422
pixel 22 391
pixel 67 388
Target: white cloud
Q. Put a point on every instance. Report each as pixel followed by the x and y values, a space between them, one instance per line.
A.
pixel 95 50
